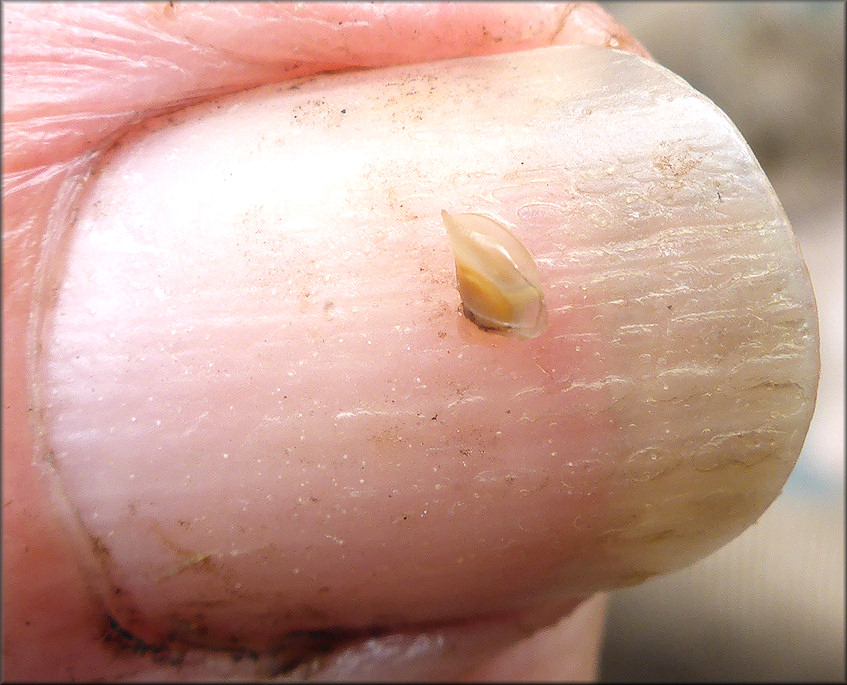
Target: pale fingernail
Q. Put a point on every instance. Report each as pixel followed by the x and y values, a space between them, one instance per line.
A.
pixel 259 395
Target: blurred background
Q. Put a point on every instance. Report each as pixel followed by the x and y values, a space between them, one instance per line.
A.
pixel 770 605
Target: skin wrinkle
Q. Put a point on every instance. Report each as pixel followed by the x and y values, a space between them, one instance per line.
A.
pixel 42 184
pixel 20 140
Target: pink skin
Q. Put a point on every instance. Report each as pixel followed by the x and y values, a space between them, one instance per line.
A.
pixel 78 76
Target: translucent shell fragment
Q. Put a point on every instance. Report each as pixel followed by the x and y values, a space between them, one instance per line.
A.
pixel 497 277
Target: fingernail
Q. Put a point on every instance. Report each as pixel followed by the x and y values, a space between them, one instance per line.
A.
pixel 260 397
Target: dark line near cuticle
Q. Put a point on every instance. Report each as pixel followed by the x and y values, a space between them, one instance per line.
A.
pixel 119 638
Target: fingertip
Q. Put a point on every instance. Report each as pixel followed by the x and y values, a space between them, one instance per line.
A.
pixel 587 23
